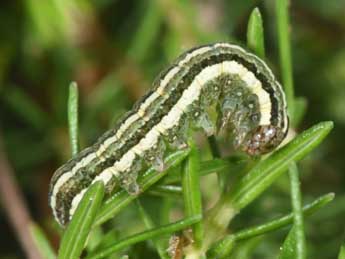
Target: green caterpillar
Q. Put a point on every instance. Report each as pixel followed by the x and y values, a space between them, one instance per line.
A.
pixel 248 102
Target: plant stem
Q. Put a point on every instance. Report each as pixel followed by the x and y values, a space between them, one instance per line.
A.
pixel 192 192
pixel 297 212
pixel 282 12
pixel 14 205
pixel 217 154
pixel 73 117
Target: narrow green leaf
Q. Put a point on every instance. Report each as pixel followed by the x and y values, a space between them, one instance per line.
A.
pixel 288 249
pixel 191 190
pixel 73 117
pixel 215 165
pixel 267 171
pixel 283 27
pixel 42 242
pixel 166 190
pixel 74 238
pixel 121 199
pixel 255 33
pixel 300 249
pixel 273 225
pixel 342 252
pixel 151 225
pixel 224 246
pixel 149 234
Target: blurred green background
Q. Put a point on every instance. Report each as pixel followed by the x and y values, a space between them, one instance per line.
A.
pixel 114 49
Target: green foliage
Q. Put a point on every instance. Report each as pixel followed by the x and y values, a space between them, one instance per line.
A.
pixel 248 188
pixel 149 234
pixel 74 238
pixel 224 247
pixel 260 177
pixel 282 16
pixel 149 224
pixel 219 199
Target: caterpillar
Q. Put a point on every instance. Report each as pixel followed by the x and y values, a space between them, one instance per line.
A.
pixel 217 88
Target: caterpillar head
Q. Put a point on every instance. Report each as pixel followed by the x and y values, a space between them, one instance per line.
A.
pixel 263 139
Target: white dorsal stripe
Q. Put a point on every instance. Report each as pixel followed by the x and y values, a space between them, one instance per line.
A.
pixel 128 122
pixel 193 54
pixel 170 120
pixel 148 101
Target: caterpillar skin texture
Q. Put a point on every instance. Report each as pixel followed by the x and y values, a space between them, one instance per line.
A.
pixel 218 79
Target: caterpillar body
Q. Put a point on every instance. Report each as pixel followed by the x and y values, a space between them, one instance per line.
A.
pixel 221 79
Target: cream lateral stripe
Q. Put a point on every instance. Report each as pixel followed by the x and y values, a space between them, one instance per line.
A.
pixel 258 90
pixel 150 139
pixel 154 95
pixel 105 177
pixel 100 151
pixel 172 72
pixel 75 202
pixel 189 95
